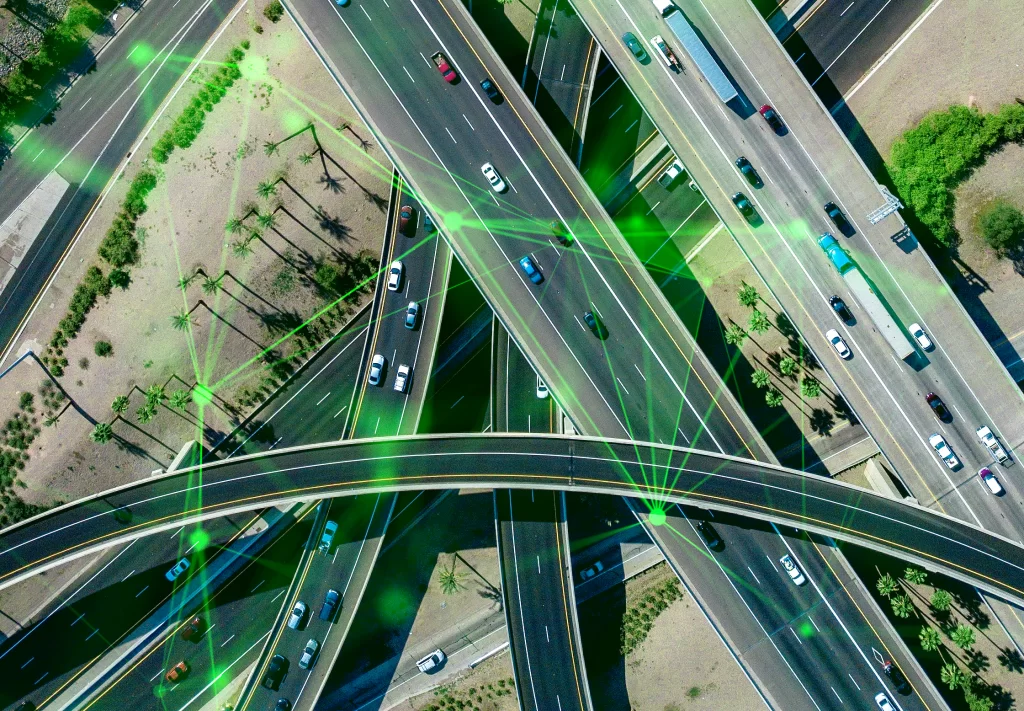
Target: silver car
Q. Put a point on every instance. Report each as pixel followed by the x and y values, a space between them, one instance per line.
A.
pixel 309 654
pixel 298 615
pixel 376 369
pixel 395 274
pixel 402 379
pixel 497 184
pixel 431 662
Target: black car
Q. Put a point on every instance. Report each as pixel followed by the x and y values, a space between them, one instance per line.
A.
pixel 490 89
pixel 836 215
pixel 595 325
pixel 938 408
pixel 560 233
pixel 283 705
pixel 330 606
pixel 748 172
pixel 743 205
pixel 772 117
pixel 709 534
pixel 896 677
pixel 839 306
pixel 275 672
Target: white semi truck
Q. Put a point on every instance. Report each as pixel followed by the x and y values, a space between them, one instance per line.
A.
pixel 680 26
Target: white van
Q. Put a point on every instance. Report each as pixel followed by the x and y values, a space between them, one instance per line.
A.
pixel 665 7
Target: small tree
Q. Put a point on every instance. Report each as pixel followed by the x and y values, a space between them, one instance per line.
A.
pixel 120 404
pixel 810 387
pixel 266 220
pixel 270 148
pixel 305 158
pixel 266 189
pixel 181 320
pixel 120 278
pixel 1002 226
pixel 759 323
pixel 787 366
pixel 450 580
pixel 930 638
pixel 155 395
pixel 233 226
pixel 735 335
pixel 101 433
pixel 761 378
pixel 748 295
pixel 915 575
pixel 963 637
pixel 772 397
pixel 886 585
pixel 145 413
pixel 212 286
pixel 180 399
pixel 952 676
pixel 941 600
pixel 102 349
pixel 902 606
pixel 242 248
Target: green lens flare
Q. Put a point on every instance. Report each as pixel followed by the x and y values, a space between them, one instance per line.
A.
pixel 657 516
pixel 202 395
pixel 141 54
pixel 199 539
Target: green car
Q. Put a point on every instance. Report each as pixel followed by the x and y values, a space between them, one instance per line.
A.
pixel 635 47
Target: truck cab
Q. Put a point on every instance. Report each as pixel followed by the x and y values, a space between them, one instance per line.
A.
pixel 992 444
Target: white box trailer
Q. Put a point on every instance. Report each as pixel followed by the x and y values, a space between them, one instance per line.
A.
pixel 680 26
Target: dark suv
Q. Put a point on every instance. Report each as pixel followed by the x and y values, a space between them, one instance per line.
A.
pixel 330 607
pixel 839 306
pixel 275 672
pixel 837 216
pixel 709 535
pixel 896 677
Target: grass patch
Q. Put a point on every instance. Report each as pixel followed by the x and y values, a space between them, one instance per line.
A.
pixel 640 616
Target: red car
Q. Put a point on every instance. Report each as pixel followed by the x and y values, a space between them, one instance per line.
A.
pixel 441 62
pixel 772 117
pixel 178 672
pixel 193 629
pixel 405 215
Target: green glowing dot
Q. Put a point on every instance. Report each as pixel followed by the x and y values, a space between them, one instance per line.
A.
pixel 254 69
pixel 199 539
pixel 292 121
pixel 453 221
pixel 707 282
pixel 393 604
pixel 806 630
pixel 141 54
pixel 202 395
pixel 657 516
pixel 159 691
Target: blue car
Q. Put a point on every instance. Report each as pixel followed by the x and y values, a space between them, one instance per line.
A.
pixel 341 3
pixel 531 270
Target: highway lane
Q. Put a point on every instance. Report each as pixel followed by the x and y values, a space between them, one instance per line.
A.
pixel 644 365
pixel 99 119
pixel 656 474
pixel 888 396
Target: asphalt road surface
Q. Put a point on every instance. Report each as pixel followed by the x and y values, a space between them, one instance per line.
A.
pixel 659 475
pixel 99 119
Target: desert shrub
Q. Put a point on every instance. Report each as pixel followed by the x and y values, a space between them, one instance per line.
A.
pixel 273 11
pixel 103 349
pixel 1002 226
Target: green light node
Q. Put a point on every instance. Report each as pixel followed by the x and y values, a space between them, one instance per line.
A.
pixel 254 69
pixel 202 395
pixel 453 221
pixel 199 539
pixel 393 604
pixel 657 516
pixel 806 630
pixel 141 54
pixel 293 121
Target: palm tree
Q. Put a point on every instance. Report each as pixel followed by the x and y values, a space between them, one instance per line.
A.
pixel 952 676
pixel 101 433
pixel 787 366
pixel 180 399
pixel 735 335
pixel 930 638
pixel 211 285
pixel 266 189
pixel 748 295
pixel 145 413
pixel 233 226
pixel 810 387
pixel 886 586
pixel 941 600
pixel 450 580
pixel 51 420
pixel 902 606
pixel 305 158
pixel 915 575
pixel 181 320
pixel 773 398
pixel 963 637
pixel 242 248
pixel 266 220
pixel 761 378
pixel 155 395
pixel 120 404
pixel 759 323
pixel 269 147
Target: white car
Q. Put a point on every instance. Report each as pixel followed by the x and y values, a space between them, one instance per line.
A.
pixel 792 570
pixel 542 389
pixel 298 614
pixel 883 702
pixel 497 184
pixel 944 451
pixel 431 662
pixel 587 573
pixel 920 336
pixel 308 658
pixel 838 343
pixel 395 274
pixel 402 379
pixel 376 369
pixel 990 481
pixel 177 570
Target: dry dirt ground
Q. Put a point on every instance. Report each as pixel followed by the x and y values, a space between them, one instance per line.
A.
pixel 487 687
pixel 963 53
pixel 262 296
pixel 681 665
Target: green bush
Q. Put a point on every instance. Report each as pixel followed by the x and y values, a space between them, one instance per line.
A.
pixel 103 349
pixel 273 11
pixel 940 152
pixel 1002 226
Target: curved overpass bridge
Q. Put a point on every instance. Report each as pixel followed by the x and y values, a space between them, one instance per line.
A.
pixel 658 474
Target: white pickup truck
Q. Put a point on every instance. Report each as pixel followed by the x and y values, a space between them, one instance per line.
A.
pixel 989 440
